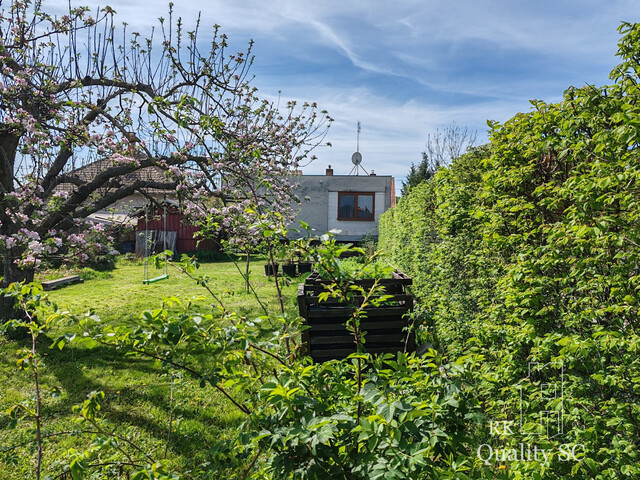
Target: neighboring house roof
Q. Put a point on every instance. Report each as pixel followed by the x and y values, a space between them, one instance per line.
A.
pixel 120 212
pixel 86 173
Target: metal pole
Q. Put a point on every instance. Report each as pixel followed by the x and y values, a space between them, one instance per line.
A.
pixel 146 243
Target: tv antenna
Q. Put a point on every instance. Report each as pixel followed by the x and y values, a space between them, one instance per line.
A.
pixel 356 158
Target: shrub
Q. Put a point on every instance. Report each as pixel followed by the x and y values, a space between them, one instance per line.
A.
pixel 90 274
pixel 409 419
pixel 527 252
pixel 206 256
pixel 357 267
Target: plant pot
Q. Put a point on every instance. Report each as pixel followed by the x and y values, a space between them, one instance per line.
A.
pixel 289 269
pixel 268 269
pixel 395 284
pixel 304 267
pixel 327 337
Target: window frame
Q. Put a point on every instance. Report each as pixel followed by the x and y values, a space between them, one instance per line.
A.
pixel 355 210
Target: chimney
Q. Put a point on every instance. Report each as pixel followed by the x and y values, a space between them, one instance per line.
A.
pixel 329 171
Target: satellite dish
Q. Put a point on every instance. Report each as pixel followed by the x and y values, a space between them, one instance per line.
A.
pixel 356 158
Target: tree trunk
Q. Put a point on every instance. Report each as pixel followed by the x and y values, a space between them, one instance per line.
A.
pixel 11 273
pixel 8 148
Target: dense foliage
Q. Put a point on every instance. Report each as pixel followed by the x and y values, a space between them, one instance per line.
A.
pixel 365 417
pixel 528 250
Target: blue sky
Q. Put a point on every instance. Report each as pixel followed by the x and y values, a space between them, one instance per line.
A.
pixel 408 67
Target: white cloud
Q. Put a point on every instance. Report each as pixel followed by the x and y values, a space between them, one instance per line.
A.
pixel 407 67
pixel 393 134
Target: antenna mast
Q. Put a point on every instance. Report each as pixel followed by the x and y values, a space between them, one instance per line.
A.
pixel 356 158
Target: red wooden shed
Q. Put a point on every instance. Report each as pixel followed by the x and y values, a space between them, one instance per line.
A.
pixel 187 235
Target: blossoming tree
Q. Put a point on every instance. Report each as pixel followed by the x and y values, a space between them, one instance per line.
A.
pixel 73 93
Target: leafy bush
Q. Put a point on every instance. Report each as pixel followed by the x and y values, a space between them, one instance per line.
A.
pixel 408 420
pixel 527 251
pixel 206 256
pixel 369 243
pixel 359 268
pixel 101 262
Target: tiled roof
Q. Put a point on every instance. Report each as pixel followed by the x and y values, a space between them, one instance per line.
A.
pixel 88 172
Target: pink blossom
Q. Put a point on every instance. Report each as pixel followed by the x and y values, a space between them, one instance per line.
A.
pixel 35 247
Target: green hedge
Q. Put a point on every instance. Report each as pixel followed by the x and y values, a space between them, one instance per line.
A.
pixel 528 250
pixel 433 235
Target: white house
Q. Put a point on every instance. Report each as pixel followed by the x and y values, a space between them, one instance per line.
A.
pixel 351 204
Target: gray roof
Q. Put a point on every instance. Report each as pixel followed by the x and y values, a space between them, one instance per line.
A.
pixel 88 172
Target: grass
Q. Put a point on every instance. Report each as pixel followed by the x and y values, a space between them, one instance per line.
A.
pixel 121 296
pixel 138 391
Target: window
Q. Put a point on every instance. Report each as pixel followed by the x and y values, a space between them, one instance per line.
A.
pixel 356 206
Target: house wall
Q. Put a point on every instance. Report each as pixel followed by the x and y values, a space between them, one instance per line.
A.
pixel 320 211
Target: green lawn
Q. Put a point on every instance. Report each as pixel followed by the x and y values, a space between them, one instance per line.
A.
pixel 122 296
pixel 138 391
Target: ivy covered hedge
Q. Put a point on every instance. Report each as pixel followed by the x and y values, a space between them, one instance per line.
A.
pixel 528 250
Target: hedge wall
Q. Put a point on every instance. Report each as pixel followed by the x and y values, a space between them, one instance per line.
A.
pixel 527 252
pixel 433 235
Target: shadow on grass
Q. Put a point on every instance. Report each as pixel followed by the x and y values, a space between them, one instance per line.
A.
pixel 137 393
